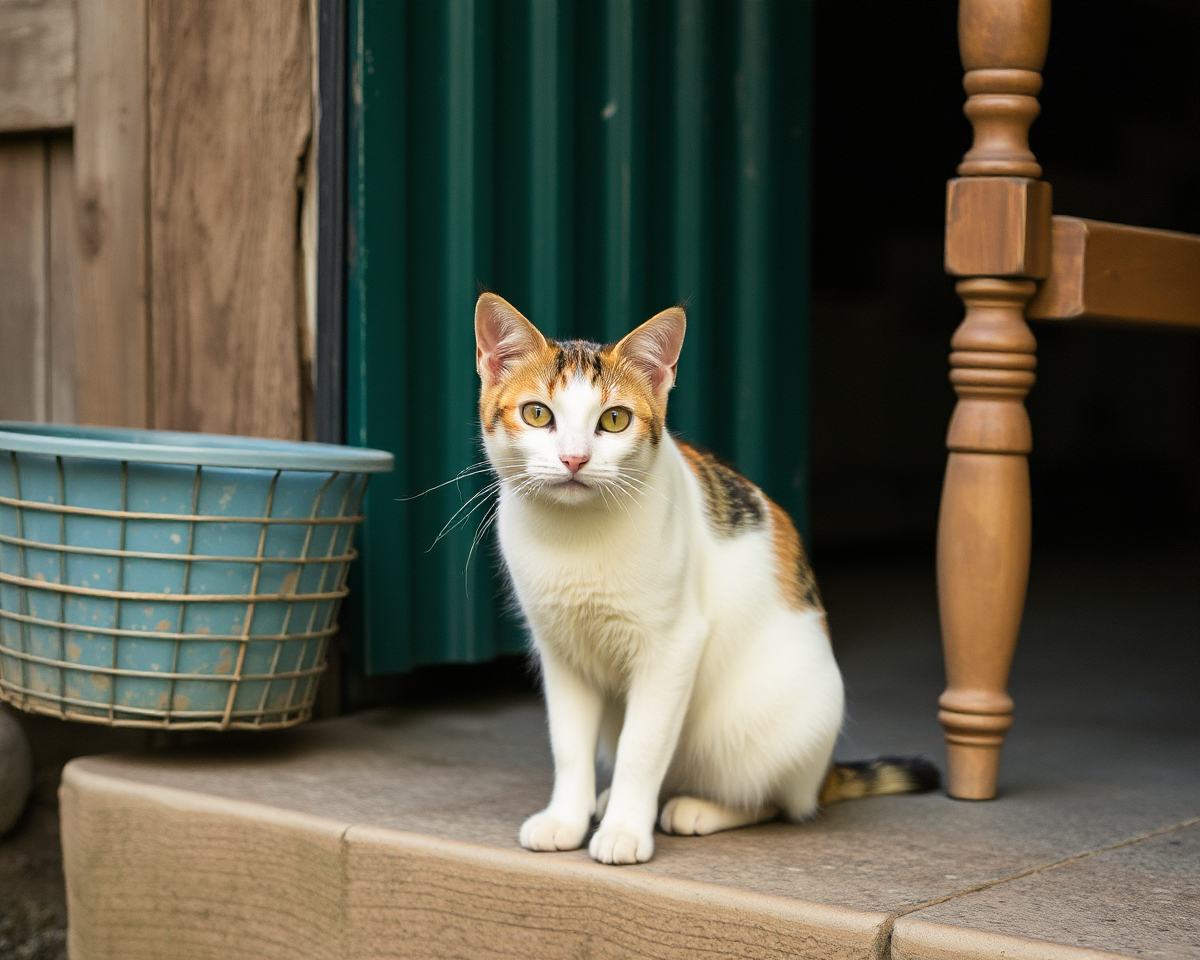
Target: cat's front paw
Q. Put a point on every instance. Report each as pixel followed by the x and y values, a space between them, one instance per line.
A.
pixel 545 831
pixel 618 843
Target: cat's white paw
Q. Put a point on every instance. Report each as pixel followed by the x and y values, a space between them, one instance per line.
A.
pixel 544 831
pixel 602 804
pixel 691 817
pixel 621 844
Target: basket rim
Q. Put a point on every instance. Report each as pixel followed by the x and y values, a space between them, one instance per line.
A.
pixel 194 449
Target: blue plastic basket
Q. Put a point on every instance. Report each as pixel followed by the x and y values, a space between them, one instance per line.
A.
pixel 179 580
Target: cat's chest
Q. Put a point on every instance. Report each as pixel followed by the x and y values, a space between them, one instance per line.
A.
pixel 596 603
pixel 597 585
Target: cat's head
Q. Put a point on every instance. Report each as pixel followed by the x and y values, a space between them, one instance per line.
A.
pixel 571 422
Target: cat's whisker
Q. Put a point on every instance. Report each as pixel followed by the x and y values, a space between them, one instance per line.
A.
pixel 617 489
pixel 648 488
pixel 452 525
pixel 484 525
pixel 483 466
pixel 604 496
pixel 520 488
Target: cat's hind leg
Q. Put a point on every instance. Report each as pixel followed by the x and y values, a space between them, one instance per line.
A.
pixel 799 794
pixel 693 817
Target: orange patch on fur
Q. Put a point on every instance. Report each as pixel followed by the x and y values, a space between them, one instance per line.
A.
pixel 543 373
pixel 792 570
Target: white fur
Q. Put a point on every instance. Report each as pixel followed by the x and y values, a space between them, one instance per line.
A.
pixel 649 625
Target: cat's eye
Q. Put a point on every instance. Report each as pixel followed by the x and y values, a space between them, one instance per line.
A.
pixel 536 415
pixel 614 419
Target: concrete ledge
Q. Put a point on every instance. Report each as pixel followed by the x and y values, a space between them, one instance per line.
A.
pixel 393 833
pixel 917 939
pixel 156 871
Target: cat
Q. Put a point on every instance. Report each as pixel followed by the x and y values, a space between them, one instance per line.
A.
pixel 670 603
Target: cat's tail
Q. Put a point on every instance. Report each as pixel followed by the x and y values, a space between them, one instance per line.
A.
pixel 871 778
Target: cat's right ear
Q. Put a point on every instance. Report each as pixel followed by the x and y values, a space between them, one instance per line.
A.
pixel 502 336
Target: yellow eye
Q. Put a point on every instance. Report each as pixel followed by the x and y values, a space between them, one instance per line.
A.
pixel 614 420
pixel 536 415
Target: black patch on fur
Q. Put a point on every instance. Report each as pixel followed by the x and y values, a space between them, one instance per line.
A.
pixel 560 363
pixel 734 503
pixel 743 506
pixel 922 776
pixel 581 355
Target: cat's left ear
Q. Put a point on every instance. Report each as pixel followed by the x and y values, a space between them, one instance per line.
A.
pixel 654 348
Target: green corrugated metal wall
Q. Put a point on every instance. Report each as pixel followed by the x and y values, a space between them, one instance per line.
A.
pixel 592 162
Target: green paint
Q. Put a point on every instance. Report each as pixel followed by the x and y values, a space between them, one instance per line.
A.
pixel 377 288
pixel 549 171
pixel 621 168
pixel 593 163
pixel 687 402
pixel 752 280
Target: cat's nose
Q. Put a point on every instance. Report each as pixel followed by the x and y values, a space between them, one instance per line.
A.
pixel 574 463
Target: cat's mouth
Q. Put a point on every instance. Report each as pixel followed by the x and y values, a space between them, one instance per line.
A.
pixel 572 483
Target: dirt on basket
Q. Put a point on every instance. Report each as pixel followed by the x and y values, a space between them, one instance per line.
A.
pixel 33 898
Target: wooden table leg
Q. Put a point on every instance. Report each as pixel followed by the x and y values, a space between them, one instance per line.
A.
pixel 984 529
pixel 997 236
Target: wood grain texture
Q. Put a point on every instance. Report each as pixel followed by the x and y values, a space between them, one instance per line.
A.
pixel 223 881
pixel 261 882
pixel 998 227
pixel 1003 45
pixel 1109 272
pixel 998 34
pixel 63 260
pixel 37 64
pixel 230 116
pixel 111 184
pixel 984 528
pixel 23 307
pixel 984 522
pixel 410 895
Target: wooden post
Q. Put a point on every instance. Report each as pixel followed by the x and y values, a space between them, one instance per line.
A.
pixel 113 347
pixel 997 235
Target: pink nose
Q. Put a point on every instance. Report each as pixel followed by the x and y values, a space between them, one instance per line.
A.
pixel 574 463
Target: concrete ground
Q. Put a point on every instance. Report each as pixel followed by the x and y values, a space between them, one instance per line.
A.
pixel 392 833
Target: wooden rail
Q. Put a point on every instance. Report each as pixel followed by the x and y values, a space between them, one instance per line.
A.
pixel 1109 272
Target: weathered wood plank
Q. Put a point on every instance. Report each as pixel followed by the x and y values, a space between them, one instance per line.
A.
pixel 111 190
pixel 37 64
pixel 23 278
pixel 230 117
pixel 62 280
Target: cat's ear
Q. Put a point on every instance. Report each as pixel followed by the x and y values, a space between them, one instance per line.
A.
pixel 654 348
pixel 502 335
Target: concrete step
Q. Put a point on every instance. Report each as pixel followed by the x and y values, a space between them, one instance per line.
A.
pixel 391 834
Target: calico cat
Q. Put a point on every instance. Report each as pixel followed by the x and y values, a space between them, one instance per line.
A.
pixel 671 606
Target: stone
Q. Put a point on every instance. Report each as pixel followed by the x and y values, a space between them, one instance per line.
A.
pixel 16 771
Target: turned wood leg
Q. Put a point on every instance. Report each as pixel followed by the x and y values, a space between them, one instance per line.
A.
pixel 984 529
pixel 998 238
